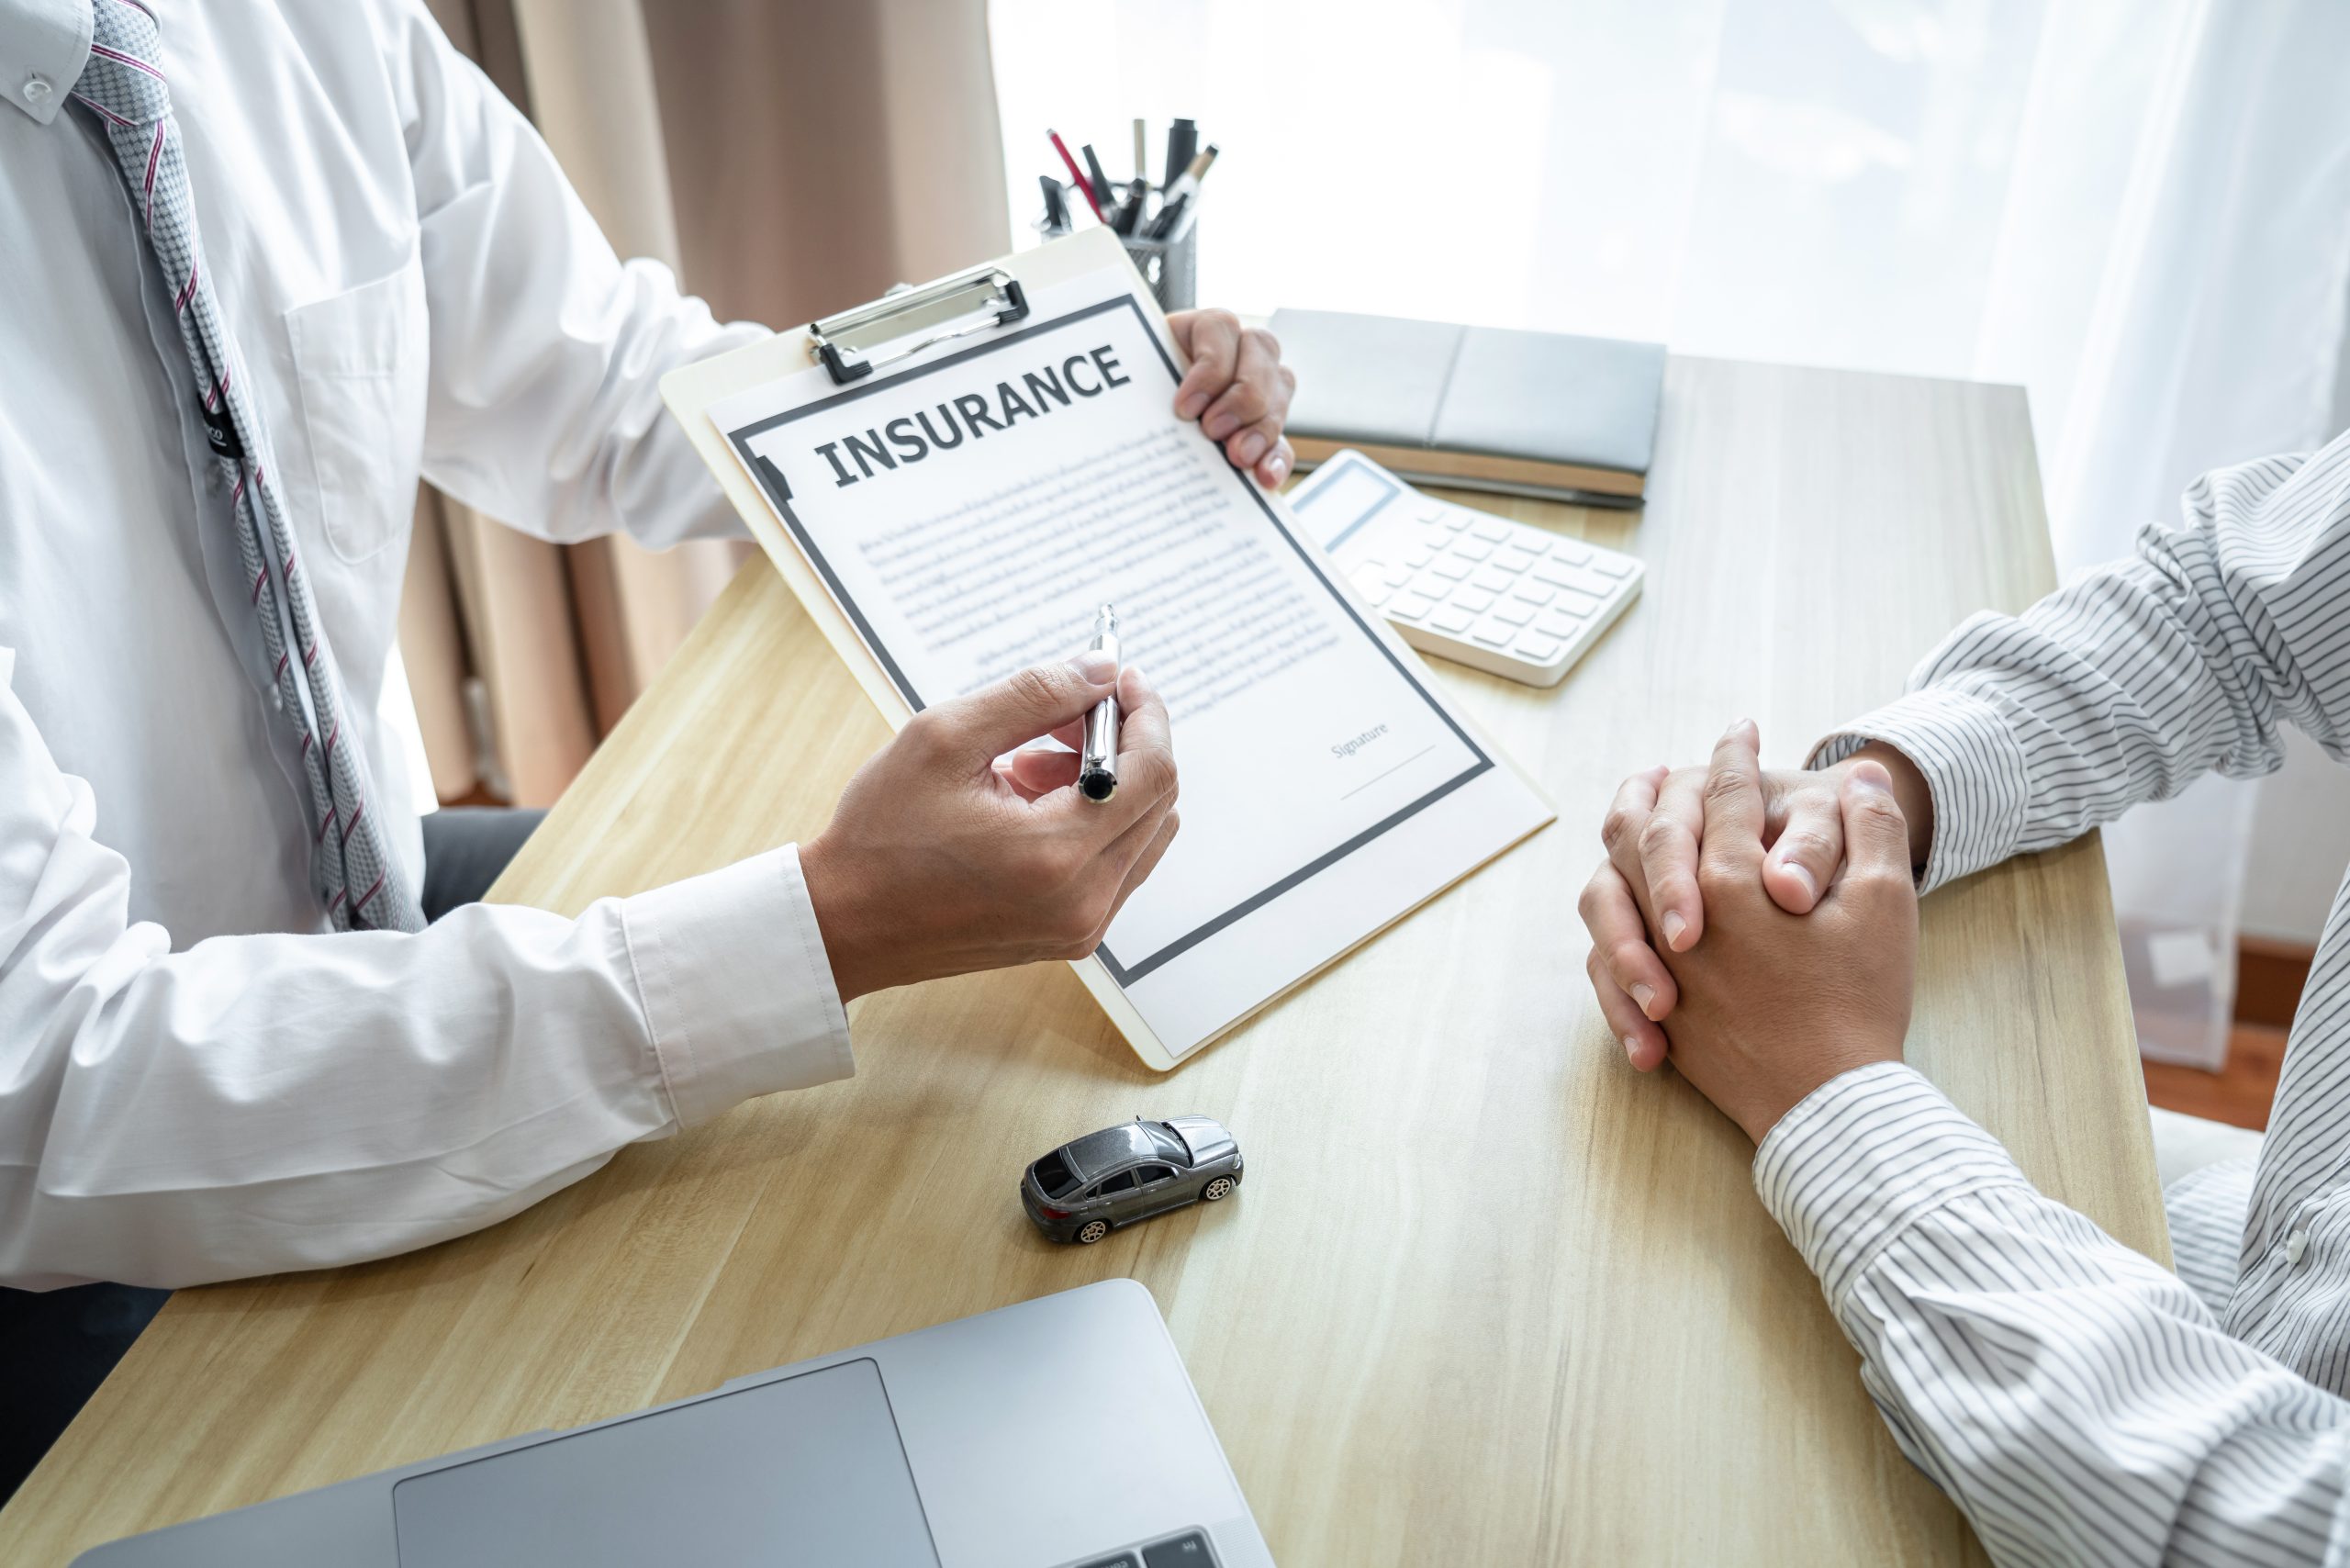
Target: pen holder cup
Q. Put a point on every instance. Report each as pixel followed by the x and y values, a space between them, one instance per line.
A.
pixel 1171 266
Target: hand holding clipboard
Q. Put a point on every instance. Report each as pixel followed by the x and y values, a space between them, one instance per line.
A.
pixel 953 479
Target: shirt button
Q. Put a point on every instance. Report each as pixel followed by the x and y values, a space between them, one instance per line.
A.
pixel 277 699
pixel 37 90
pixel 2295 1245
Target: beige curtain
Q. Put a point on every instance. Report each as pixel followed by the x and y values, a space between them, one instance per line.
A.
pixel 493 644
pixel 591 76
pixel 824 150
pixel 787 160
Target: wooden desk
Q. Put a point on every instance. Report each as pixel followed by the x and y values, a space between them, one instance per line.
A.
pixel 1541 1318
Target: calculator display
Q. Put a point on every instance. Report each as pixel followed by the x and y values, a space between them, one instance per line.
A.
pixel 1343 502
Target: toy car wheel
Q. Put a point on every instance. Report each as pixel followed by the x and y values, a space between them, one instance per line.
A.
pixel 1219 1188
pixel 1092 1231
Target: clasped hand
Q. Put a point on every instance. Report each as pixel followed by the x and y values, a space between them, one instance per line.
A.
pixel 1759 930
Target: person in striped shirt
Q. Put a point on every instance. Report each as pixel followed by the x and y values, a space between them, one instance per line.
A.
pixel 2078 1402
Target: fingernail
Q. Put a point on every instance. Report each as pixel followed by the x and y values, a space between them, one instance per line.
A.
pixel 1192 406
pixel 1645 995
pixel 1674 927
pixel 1221 426
pixel 1277 469
pixel 1140 678
pixel 1250 448
pixel 1736 725
pixel 1803 877
pixel 1872 776
pixel 1095 667
pixel 1633 1049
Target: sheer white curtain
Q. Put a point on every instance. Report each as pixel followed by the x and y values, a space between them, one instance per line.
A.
pixel 2215 332
pixel 2140 210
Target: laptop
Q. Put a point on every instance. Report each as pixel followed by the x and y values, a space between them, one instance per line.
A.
pixel 1060 1433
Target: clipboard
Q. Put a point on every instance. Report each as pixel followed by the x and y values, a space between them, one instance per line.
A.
pixel 911 333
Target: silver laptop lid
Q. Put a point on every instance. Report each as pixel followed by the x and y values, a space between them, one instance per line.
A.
pixel 978 1443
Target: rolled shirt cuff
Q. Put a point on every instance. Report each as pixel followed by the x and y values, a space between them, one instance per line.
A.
pixel 1861 1159
pixel 738 991
pixel 1973 765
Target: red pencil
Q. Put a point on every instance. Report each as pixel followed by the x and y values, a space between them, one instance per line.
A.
pixel 1084 186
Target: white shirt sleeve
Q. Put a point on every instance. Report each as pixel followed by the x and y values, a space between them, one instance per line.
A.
pixel 547 350
pixel 2077 1401
pixel 268 1103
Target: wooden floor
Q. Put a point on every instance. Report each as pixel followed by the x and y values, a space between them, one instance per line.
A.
pixel 2239 1092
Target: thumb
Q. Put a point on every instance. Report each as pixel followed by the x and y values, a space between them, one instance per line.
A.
pixel 1876 837
pixel 984 724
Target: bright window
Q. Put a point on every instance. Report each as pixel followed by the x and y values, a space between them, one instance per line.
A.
pixel 1870 184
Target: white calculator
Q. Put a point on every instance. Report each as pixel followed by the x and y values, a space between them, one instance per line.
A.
pixel 1501 596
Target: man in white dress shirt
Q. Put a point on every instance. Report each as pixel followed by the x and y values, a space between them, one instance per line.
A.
pixel 2081 1404
pixel 198 1080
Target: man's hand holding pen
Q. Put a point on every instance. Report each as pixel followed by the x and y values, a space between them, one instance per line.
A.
pixel 938 862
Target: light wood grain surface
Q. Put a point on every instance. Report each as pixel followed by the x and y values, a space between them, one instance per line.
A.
pixel 1488 1296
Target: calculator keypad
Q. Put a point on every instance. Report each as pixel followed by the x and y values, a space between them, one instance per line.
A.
pixel 1506 587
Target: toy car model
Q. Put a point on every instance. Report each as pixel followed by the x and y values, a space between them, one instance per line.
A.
pixel 1083 1191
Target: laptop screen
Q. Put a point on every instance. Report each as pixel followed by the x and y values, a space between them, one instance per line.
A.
pixel 807 1470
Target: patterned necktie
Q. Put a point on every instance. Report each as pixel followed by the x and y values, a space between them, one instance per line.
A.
pixel 124 86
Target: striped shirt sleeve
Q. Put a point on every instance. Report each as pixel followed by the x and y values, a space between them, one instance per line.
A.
pixel 2206 1209
pixel 2078 1402
pixel 2137 680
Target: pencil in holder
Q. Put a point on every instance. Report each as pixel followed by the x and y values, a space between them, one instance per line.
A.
pixel 1168 266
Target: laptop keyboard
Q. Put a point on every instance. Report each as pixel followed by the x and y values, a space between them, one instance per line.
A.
pixel 1189 1550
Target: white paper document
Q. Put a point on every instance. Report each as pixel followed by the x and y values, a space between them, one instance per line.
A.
pixel 969 509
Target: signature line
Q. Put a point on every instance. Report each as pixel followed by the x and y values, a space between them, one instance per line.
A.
pixel 1377 776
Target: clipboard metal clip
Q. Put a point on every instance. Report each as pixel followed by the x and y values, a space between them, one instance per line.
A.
pixel 908 321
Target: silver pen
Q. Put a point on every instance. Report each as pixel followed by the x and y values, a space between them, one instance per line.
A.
pixel 1096 770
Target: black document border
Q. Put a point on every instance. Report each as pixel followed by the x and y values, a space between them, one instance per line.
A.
pixel 779 494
